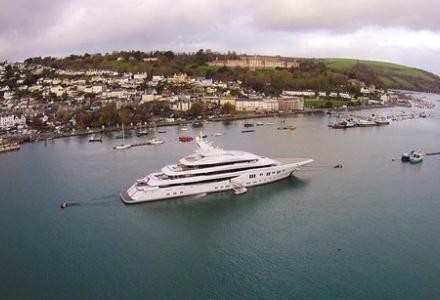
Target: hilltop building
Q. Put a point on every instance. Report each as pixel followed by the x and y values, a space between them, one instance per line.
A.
pixel 257 61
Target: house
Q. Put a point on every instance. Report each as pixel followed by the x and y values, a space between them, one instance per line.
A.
pixel 147 98
pixel 140 76
pixel 291 104
pixel 345 95
pixel 157 78
pixel 150 59
pixel 308 93
pixel 7 121
pixel 20 121
pixel 266 105
pixel 230 100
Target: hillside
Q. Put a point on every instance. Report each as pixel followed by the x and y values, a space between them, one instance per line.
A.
pixel 316 74
pixel 388 74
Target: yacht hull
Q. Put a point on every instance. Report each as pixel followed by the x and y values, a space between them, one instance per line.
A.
pixel 248 178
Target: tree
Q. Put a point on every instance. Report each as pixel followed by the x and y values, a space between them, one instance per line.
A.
pixel 196 109
pixel 328 104
pixel 228 108
pixel 37 123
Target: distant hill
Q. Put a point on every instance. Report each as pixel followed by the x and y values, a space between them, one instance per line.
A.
pixel 390 75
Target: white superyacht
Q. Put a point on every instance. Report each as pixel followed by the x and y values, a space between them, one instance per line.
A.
pixel 210 170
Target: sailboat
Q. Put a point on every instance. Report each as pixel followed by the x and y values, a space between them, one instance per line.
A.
pixel 143 132
pixel 123 145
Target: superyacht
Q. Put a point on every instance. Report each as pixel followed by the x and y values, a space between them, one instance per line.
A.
pixel 209 170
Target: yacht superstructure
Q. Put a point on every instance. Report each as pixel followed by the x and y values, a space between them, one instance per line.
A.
pixel 209 170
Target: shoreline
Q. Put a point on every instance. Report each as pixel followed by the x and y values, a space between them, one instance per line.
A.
pixel 44 136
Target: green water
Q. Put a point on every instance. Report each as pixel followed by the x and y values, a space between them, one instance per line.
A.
pixel 367 231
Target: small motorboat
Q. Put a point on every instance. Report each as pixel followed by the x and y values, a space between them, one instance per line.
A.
pixel 197 124
pixel 218 134
pixel 406 156
pixel 183 129
pixel 247 130
pixel 94 139
pixel 240 190
pixel 142 133
pixel 416 157
pixel 290 127
pixel 161 131
pixel 260 123
pixel 185 138
pixel 269 123
pixel 248 125
pixel 122 147
pixel 365 123
pixel 382 121
pixel 155 141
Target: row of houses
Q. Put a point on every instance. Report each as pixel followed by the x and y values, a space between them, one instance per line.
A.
pixel 244 104
pixel 10 120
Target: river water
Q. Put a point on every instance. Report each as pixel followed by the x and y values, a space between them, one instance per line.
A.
pixel 367 231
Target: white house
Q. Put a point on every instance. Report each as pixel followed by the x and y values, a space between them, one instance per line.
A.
pixel 20 121
pixel 140 76
pixel 308 93
pixel 7 121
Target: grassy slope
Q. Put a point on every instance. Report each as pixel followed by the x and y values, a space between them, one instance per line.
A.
pixel 391 75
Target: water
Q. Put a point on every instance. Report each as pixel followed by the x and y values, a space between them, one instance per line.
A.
pixel 367 231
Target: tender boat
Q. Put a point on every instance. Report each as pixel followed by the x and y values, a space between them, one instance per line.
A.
pixel 269 123
pixel 218 134
pixel 260 123
pixel 183 128
pixel 247 131
pixel 210 169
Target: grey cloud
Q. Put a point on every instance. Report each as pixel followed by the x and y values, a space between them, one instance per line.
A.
pixel 346 15
pixel 287 27
pixel 22 17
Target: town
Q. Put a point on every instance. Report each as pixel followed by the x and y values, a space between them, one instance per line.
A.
pixel 36 98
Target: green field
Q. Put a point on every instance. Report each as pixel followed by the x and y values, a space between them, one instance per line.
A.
pixel 389 74
pixel 323 103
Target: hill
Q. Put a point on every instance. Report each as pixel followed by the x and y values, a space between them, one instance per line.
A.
pixel 389 75
pixel 326 74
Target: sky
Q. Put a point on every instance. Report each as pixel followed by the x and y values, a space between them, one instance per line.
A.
pixel 400 31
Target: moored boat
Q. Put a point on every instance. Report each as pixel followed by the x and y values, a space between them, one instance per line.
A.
pixel 416 157
pixel 210 170
pixel 155 141
pixel 94 139
pixel 185 138
pixel 365 123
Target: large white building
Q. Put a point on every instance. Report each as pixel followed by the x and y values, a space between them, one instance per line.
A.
pixel 268 105
pixel 7 121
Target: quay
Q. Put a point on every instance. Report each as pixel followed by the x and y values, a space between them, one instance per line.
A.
pixel 43 136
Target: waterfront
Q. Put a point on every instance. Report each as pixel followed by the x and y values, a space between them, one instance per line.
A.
pixel 367 231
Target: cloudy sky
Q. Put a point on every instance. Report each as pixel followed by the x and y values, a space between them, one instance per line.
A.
pixel 402 31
